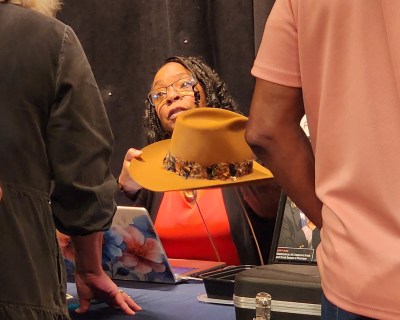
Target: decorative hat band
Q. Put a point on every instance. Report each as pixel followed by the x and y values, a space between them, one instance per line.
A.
pixel 217 171
pixel 207 149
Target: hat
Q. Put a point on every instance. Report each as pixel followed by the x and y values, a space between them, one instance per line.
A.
pixel 207 149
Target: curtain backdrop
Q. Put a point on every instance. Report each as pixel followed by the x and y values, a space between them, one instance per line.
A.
pixel 127 40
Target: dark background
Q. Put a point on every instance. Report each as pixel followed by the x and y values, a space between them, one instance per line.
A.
pixel 126 41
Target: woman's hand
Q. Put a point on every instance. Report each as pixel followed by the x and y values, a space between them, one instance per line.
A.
pixel 125 182
pixel 91 280
pixel 103 289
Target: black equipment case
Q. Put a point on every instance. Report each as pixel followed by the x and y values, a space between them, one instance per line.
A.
pixel 291 276
pixel 295 291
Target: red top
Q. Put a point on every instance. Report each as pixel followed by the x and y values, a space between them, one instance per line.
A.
pixel 182 230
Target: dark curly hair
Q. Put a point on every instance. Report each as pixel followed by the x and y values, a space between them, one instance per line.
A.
pixel 214 88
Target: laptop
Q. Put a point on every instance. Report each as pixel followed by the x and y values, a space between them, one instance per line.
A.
pixel 295 238
pixel 132 250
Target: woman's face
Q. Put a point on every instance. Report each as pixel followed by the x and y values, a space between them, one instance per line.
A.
pixel 174 102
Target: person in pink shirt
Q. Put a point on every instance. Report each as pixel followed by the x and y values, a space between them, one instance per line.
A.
pixel 338 62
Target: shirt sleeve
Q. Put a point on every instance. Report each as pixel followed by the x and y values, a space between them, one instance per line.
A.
pixel 277 59
pixel 80 145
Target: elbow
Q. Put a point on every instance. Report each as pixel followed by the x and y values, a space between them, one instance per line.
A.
pixel 261 142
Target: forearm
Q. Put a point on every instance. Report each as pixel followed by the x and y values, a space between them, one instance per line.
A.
pixel 296 174
pixel 293 169
pixel 92 282
pixel 125 181
pixel 275 136
pixel 133 194
pixel 88 253
pixel 128 186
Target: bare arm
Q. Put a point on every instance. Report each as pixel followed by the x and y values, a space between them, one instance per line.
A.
pixel 91 281
pixel 125 182
pixel 275 136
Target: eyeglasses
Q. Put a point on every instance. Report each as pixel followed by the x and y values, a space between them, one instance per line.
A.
pixel 181 86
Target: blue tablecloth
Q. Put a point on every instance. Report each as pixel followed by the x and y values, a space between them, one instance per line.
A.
pixel 159 302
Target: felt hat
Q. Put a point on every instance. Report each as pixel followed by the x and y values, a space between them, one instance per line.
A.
pixel 207 149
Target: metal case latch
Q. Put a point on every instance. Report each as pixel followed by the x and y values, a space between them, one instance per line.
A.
pixel 263 306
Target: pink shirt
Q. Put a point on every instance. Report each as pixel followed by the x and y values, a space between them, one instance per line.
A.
pixel 345 54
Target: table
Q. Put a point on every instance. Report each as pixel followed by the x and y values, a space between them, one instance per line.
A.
pixel 159 302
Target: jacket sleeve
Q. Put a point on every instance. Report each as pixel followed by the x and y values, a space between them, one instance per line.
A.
pixel 80 145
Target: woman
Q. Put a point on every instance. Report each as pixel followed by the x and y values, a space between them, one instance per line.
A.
pixel 233 224
pixel 54 166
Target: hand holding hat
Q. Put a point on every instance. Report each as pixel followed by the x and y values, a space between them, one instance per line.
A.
pixel 207 149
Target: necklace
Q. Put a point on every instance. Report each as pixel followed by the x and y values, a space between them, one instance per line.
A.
pixel 190 195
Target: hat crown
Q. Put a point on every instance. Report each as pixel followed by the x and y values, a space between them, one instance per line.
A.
pixel 209 136
pixel 207 149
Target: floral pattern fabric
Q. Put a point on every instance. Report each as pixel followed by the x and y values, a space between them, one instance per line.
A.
pixel 129 252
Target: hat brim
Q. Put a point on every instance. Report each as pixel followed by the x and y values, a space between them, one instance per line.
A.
pixel 149 172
